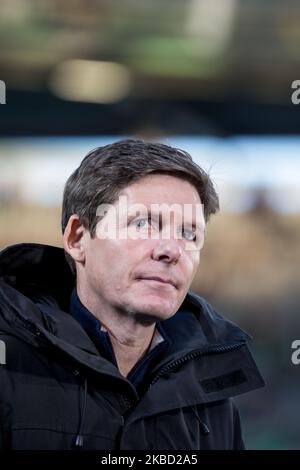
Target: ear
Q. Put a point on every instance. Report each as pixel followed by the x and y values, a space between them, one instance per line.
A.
pixel 73 239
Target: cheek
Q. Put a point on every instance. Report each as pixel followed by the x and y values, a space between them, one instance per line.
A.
pixel 99 259
pixel 110 259
pixel 95 266
pixel 192 263
pixel 137 250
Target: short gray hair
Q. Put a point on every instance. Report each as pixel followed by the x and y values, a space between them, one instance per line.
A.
pixel 107 170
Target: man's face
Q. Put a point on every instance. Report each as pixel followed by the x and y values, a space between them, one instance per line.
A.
pixel 147 266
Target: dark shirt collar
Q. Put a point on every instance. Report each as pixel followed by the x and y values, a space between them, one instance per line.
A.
pixel 100 337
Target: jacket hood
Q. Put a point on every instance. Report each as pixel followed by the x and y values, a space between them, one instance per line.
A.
pixel 35 269
pixel 35 287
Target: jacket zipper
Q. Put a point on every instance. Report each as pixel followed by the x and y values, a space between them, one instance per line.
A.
pixel 196 353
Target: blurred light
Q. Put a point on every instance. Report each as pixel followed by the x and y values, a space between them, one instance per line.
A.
pixel 90 81
pixel 212 23
pixel 34 170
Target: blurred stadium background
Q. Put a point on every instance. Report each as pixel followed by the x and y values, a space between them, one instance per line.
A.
pixel 211 77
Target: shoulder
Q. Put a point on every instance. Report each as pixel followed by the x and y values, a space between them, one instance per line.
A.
pixel 18 359
pixel 216 325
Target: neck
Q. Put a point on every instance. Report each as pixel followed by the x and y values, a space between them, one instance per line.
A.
pixel 127 355
pixel 130 338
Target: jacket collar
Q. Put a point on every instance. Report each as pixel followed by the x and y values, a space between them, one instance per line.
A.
pixel 208 379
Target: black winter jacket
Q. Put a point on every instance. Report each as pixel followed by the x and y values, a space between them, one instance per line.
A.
pixel 57 392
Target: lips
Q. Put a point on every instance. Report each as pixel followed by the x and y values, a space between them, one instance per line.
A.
pixel 159 279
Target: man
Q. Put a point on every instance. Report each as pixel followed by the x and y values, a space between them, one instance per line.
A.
pixel 105 347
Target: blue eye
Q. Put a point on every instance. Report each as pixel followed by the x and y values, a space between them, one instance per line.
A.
pixel 189 235
pixel 140 223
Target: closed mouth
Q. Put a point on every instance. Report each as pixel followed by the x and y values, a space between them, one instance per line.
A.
pixel 158 279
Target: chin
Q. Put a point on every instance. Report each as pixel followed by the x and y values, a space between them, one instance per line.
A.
pixel 149 308
pixel 154 311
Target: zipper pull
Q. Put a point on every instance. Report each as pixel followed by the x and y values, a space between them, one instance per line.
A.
pixel 203 427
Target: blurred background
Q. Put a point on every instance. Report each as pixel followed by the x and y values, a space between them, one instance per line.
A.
pixel 213 78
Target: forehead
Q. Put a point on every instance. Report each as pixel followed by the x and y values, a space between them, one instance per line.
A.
pixel 162 188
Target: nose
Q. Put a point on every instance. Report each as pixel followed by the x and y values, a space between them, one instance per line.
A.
pixel 168 251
